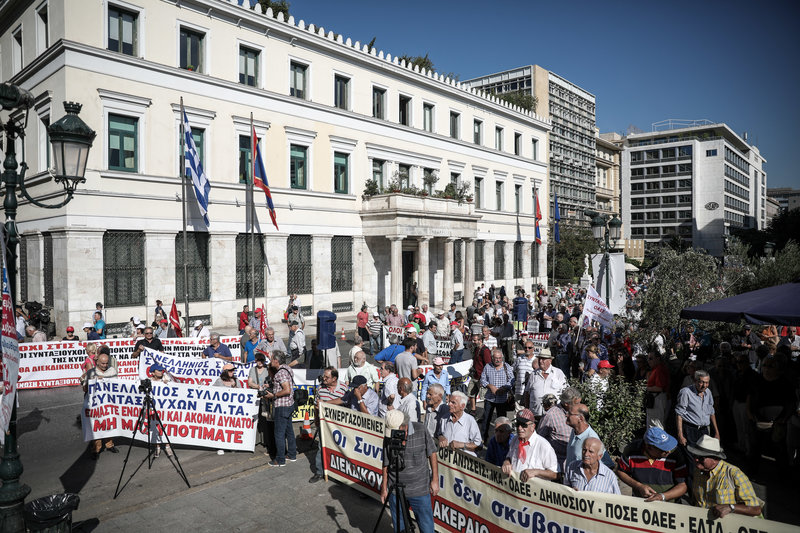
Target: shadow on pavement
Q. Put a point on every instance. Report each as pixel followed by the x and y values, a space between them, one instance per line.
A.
pixel 30 422
pixel 85 526
pixel 78 473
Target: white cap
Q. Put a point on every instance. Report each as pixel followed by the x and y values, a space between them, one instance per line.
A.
pixel 136 320
pixel 88 325
pixel 198 323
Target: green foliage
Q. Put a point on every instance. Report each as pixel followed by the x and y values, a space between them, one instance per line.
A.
pixel 277 7
pixel 570 252
pixel 519 98
pixel 371 188
pixel 782 229
pixel 449 191
pixel 423 62
pixel 745 272
pixel 622 414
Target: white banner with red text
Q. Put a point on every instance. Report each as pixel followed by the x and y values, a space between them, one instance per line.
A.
pixel 10 353
pixel 476 496
pixel 210 417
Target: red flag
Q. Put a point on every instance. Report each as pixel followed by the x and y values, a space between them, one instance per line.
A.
pixel 264 324
pixel 174 319
pixel 538 218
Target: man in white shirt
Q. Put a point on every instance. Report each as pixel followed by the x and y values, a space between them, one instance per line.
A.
pixel 428 315
pixel 389 395
pixel 460 431
pixel 547 380
pixel 200 331
pixel 529 454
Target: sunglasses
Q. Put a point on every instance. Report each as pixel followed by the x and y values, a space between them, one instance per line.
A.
pixel 522 424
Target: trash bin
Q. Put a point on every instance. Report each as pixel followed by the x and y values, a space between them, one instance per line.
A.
pixel 52 513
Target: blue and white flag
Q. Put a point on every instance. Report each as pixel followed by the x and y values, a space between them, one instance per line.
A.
pixel 194 169
pixel 556 217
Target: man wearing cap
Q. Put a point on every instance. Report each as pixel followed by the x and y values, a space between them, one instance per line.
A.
pixel 361 397
pixel 460 431
pixel 694 410
pixel 547 380
pixel 164 330
pixel 227 377
pixel 553 425
pixel 718 485
pixel 529 454
pixel 217 349
pixel 653 468
pixel 375 328
pixel 456 343
pixel 437 375
pixel 599 381
pixel 498 447
pixel 297 343
pixel 149 341
pixel 295 316
pixel 436 410
pixel 200 331
pixel 588 473
pixel 91 334
pixel 159 374
pixel 420 475
pixel 70 335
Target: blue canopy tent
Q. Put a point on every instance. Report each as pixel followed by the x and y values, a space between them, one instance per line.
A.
pixel 779 305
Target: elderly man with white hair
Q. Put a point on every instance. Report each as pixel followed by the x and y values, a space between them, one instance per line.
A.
pixel 460 431
pixel 436 410
pixel 360 367
pixel 589 473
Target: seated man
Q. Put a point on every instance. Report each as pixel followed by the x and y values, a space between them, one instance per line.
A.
pixel 589 473
pixel 361 397
pixel 497 449
pixel 460 431
pixel 529 454
pixel 718 485
pixel 652 467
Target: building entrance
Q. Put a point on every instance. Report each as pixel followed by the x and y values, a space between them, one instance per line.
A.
pixel 408 279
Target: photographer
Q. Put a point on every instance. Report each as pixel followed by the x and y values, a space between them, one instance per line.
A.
pixel 283 406
pixel 420 475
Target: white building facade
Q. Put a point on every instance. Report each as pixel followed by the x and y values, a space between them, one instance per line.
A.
pixel 694 182
pixel 331 114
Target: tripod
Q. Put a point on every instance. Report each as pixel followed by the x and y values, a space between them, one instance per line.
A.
pixel 148 406
pixel 399 491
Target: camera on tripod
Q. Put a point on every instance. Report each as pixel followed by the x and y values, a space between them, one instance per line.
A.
pixel 145 386
pixel 396 446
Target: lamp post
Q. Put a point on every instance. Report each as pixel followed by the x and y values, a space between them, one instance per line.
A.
pixel 71 140
pixel 605 230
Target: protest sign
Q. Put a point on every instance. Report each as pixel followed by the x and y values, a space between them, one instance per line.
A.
pixel 188 369
pixel 10 355
pixel 211 417
pixel 595 309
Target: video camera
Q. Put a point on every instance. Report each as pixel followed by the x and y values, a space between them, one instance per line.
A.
pixel 145 386
pixel 396 447
pixel 37 314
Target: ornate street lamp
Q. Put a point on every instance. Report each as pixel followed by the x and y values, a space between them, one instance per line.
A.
pixel 606 231
pixel 71 140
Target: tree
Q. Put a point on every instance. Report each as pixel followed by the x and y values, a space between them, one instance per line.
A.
pixel 277 7
pixel 781 230
pixel 570 252
pixel 423 62
pixel 521 99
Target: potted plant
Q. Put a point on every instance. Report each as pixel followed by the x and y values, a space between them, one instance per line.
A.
pixel 394 184
pixel 190 67
pixel 449 191
pixel 462 192
pixel 429 181
pixel 371 188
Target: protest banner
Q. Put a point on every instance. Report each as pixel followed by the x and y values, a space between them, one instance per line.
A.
pixel 211 417
pixel 10 355
pixel 476 496
pixel 595 309
pixel 58 363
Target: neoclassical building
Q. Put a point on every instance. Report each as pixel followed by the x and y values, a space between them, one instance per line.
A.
pixel 331 115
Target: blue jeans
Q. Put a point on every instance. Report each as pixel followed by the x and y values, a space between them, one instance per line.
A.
pixel 455 356
pixel 423 512
pixel 284 433
pixel 374 345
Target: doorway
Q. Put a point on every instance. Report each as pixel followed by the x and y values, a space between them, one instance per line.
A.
pixel 408 278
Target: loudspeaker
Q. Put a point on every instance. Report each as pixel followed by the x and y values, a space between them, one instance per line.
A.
pixel 326 330
pixel 520 309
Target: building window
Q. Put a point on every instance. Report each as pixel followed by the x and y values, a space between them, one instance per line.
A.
pixel 711 153
pixel 458 268
pixel 518 260
pixel 498 195
pixel 499 260
pixel 248 66
pixel 297 80
pixel 455 119
pixel 198 135
pixel 341 264
pixel 249 262
pixel 16 49
pixel 455 178
pixel 340 172
pixel 403 174
pixel 498 138
pixel 517 144
pixel 535 145
pixel 191 50
pixel 479 264
pixel 379 103
pixel 197 271
pixel 341 86
pixel 42 28
pixel 637 232
pixel 477 132
pixel 122 31
pixel 685 151
pixel 377 172
pixel 298 264
pixel 427 117
pixel 478 192
pixel 404 111
pixel 123 140
pixel 518 198
pixel 123 268
pixel 44 143
pixel 245 161
pixel 298 166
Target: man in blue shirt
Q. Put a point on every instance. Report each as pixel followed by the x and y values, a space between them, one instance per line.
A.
pixel 497 449
pixel 221 351
pixel 437 375
pixel 390 352
pixel 99 324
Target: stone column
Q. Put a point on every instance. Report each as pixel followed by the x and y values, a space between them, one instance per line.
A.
pixel 509 256
pixel 423 271
pixel 488 264
pixel 321 284
pixel 275 285
pixel 159 251
pixel 223 280
pixel 448 283
pixel 35 244
pixel 76 252
pixel 396 272
pixel 360 291
pixel 469 270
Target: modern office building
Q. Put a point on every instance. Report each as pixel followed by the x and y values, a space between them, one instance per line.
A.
pixel 571 110
pixel 694 180
pixel 331 115
pixel 788 198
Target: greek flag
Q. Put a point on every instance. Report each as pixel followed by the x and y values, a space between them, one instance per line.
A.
pixel 194 169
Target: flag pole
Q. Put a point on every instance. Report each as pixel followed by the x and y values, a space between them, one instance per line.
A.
pixel 251 213
pixel 185 217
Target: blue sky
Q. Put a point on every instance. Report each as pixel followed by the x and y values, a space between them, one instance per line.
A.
pixel 645 61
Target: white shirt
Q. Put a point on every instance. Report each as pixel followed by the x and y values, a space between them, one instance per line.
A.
pixel 538 386
pixel 200 333
pixel 538 454
pixel 410 406
pixel 490 342
pixel 389 389
pixel 429 316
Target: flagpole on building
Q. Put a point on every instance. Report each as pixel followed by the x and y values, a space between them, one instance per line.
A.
pixel 185 217
pixel 251 200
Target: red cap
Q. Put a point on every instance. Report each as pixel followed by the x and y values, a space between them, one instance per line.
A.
pixel 164 320
pixel 454 323
pixel 604 364
pixel 70 329
pixel 411 326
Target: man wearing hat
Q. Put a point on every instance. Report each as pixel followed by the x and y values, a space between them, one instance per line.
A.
pixel 547 380
pixel 70 335
pixel 718 485
pixel 420 476
pixel 361 397
pixel 599 381
pixel 91 334
pixel 375 328
pixel 529 454
pixel 199 330
pixel 159 373
pixel 164 330
pixel 456 343
pixel 653 468
pixel 437 375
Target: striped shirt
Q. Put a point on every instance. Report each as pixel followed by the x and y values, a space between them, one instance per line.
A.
pixel 324 394
pixel 522 367
pixel 603 481
pixel 724 485
pixel 499 377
